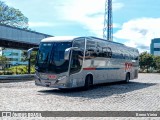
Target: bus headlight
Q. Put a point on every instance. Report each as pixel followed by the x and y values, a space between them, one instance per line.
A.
pixel 62 78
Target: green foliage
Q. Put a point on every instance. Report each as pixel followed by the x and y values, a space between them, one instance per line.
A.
pixel 6 73
pixel 12 17
pixel 3 62
pixel 157 62
pixel 147 61
pixel 33 57
pixel 21 69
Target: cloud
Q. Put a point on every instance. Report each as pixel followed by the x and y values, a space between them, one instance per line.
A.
pixel 89 13
pixel 41 24
pixel 139 32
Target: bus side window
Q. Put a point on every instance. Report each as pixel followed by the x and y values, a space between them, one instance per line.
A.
pixel 90 53
pixel 136 58
pixel 90 49
pixel 107 52
pixel 77 56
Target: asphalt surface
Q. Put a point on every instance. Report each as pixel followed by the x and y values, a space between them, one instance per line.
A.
pixel 142 94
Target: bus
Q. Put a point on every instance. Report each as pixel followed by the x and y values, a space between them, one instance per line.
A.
pixel 70 62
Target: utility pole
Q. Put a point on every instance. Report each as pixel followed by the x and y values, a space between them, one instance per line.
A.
pixel 108 22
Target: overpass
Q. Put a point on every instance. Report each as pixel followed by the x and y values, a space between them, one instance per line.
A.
pixel 16 38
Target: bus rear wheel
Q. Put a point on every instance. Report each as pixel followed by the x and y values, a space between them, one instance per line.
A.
pixel 88 82
pixel 127 78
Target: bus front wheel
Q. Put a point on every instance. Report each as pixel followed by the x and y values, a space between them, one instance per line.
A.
pixel 88 82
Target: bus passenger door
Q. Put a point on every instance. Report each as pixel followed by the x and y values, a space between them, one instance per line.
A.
pixel 76 63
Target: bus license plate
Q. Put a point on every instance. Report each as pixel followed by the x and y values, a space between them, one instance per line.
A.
pixel 52 76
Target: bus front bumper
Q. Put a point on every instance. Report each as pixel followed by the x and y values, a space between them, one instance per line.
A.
pixel 52 83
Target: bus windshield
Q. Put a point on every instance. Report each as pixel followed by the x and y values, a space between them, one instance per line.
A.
pixel 50 57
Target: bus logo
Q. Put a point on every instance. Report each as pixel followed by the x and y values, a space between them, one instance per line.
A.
pixel 128 66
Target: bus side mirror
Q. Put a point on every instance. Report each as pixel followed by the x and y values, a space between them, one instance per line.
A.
pixel 67 52
pixel 30 51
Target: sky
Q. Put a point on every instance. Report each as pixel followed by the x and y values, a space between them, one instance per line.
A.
pixel 135 22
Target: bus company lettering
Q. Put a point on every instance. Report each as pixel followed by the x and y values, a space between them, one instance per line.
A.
pixel 128 66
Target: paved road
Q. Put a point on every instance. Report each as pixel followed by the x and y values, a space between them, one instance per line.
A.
pixel 142 94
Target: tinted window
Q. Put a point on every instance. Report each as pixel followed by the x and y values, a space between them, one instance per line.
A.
pixel 77 56
pixel 51 57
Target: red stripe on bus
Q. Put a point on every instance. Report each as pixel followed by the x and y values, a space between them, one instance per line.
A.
pixel 89 68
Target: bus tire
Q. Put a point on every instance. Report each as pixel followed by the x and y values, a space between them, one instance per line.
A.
pixel 88 82
pixel 127 78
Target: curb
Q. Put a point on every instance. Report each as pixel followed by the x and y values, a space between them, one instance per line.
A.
pixel 16 78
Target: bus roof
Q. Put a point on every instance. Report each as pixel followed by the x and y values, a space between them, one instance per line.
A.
pixel 59 39
pixel 71 38
pixel 106 40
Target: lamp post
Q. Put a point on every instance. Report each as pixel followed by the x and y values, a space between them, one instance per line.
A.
pixel 16 68
pixel 29 66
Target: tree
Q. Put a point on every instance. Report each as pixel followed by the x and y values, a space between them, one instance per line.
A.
pixel 12 17
pixel 146 61
pixel 157 62
pixel 3 62
pixel 33 57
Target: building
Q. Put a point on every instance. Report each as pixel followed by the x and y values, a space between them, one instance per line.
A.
pixel 14 40
pixel 14 56
pixel 155 47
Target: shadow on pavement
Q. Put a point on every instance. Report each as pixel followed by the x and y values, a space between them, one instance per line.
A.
pixel 99 91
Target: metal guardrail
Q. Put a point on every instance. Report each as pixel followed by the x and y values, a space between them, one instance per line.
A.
pixel 16 78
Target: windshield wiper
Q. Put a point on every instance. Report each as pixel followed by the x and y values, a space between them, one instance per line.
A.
pixel 51 61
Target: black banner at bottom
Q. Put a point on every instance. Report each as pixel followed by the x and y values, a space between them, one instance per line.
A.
pixel 79 114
